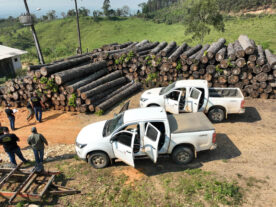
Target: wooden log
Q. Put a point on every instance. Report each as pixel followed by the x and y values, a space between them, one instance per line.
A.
pixel 200 54
pixel 119 97
pixel 166 51
pixel 246 44
pixel 211 69
pixel 257 69
pixel 240 62
pixel 78 72
pixel 54 68
pixel 148 46
pixel 158 48
pixel 239 52
pixel 190 52
pixel 231 53
pixel 266 68
pixel 261 57
pixel 103 87
pixel 102 80
pixel 72 88
pixel 215 47
pixel 37 67
pixel 271 59
pixel 143 42
pixel 261 77
pixel 221 54
pixel 236 71
pixel 233 79
pixel 176 54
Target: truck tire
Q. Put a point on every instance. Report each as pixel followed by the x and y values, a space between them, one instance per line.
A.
pixel 216 115
pixel 98 160
pixel 182 155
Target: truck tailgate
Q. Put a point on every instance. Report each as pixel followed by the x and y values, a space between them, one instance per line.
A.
pixel 189 122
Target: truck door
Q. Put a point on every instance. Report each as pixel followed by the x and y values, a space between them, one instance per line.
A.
pixel 172 102
pixel 151 141
pixel 122 144
pixel 192 101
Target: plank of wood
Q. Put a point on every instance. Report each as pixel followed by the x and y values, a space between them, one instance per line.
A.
pixel 10 174
pixel 47 185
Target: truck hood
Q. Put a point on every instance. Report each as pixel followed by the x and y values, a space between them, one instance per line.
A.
pixel 151 93
pixel 92 133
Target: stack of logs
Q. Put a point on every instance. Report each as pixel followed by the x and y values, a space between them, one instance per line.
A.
pixel 98 80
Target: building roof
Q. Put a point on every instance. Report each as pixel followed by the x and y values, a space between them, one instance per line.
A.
pixel 144 114
pixel 8 52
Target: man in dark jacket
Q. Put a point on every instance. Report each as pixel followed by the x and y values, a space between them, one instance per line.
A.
pixel 2 128
pixel 9 142
pixel 10 116
pixel 37 141
pixel 37 105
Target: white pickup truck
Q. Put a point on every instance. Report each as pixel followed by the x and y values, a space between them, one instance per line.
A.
pixel 145 132
pixel 195 96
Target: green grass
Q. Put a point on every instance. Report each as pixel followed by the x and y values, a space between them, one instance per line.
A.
pixel 59 38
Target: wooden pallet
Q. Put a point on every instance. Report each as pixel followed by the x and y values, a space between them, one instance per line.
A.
pixel 25 179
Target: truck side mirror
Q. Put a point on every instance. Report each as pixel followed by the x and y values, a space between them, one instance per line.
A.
pixel 113 139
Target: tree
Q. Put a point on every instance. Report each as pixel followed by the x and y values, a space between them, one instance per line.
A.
pixel 119 12
pixel 125 11
pixel 71 13
pixel 106 7
pixel 51 15
pixel 201 16
pixel 63 15
pixel 84 12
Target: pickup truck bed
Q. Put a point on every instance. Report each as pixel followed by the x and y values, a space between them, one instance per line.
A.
pixel 224 92
pixel 189 122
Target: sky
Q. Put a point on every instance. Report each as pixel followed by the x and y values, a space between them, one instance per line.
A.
pixel 16 7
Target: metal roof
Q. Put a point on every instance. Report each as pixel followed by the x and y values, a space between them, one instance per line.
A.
pixel 8 52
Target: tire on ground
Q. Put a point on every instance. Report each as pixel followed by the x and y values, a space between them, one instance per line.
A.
pixel 98 160
pixel 182 155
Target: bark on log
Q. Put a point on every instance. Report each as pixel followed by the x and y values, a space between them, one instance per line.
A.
pixel 239 52
pixel 175 55
pixel 103 87
pixel 119 97
pixel 102 80
pixel 78 72
pixel 200 54
pixel 231 53
pixel 72 88
pixel 240 62
pixel 221 54
pixel 143 42
pixel 158 48
pixel 36 67
pixel 246 44
pixel 271 59
pixel 215 47
pixel 48 70
pixel 190 52
pixel 261 57
pixel 165 52
pixel 148 46
pixel 262 77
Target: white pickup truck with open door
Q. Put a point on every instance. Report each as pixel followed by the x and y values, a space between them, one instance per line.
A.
pixel 145 132
pixel 195 96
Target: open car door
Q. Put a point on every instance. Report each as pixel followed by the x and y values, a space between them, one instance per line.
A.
pixel 151 141
pixel 192 101
pixel 172 102
pixel 122 144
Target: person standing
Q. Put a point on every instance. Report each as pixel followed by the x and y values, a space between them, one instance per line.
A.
pixel 37 141
pixel 9 142
pixel 10 116
pixel 2 128
pixel 37 105
pixel 31 111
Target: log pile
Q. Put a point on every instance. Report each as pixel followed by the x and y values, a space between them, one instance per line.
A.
pixel 98 80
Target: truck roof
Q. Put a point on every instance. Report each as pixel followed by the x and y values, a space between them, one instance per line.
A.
pixel 140 114
pixel 191 83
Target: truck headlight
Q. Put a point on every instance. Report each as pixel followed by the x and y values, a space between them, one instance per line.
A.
pixel 79 145
pixel 143 99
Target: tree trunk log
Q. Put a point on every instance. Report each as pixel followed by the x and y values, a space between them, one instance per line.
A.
pixel 158 48
pixel 215 47
pixel 190 52
pixel 239 52
pixel 221 54
pixel 271 59
pixel 178 52
pixel 261 57
pixel 165 52
pixel 231 53
pixel 246 44
pixel 78 72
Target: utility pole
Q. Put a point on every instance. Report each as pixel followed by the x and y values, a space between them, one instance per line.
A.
pixel 39 53
pixel 78 25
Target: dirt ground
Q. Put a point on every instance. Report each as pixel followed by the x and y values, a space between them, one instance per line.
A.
pixel 246 146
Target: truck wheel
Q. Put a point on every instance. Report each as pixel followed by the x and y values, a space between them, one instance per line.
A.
pixel 98 160
pixel 216 115
pixel 182 155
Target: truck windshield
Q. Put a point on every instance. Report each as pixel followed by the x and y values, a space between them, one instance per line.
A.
pixel 167 89
pixel 113 124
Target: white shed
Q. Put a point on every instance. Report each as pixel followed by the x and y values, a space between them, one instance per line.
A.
pixel 10 60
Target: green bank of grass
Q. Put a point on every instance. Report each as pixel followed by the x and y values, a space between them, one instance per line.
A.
pixel 59 38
